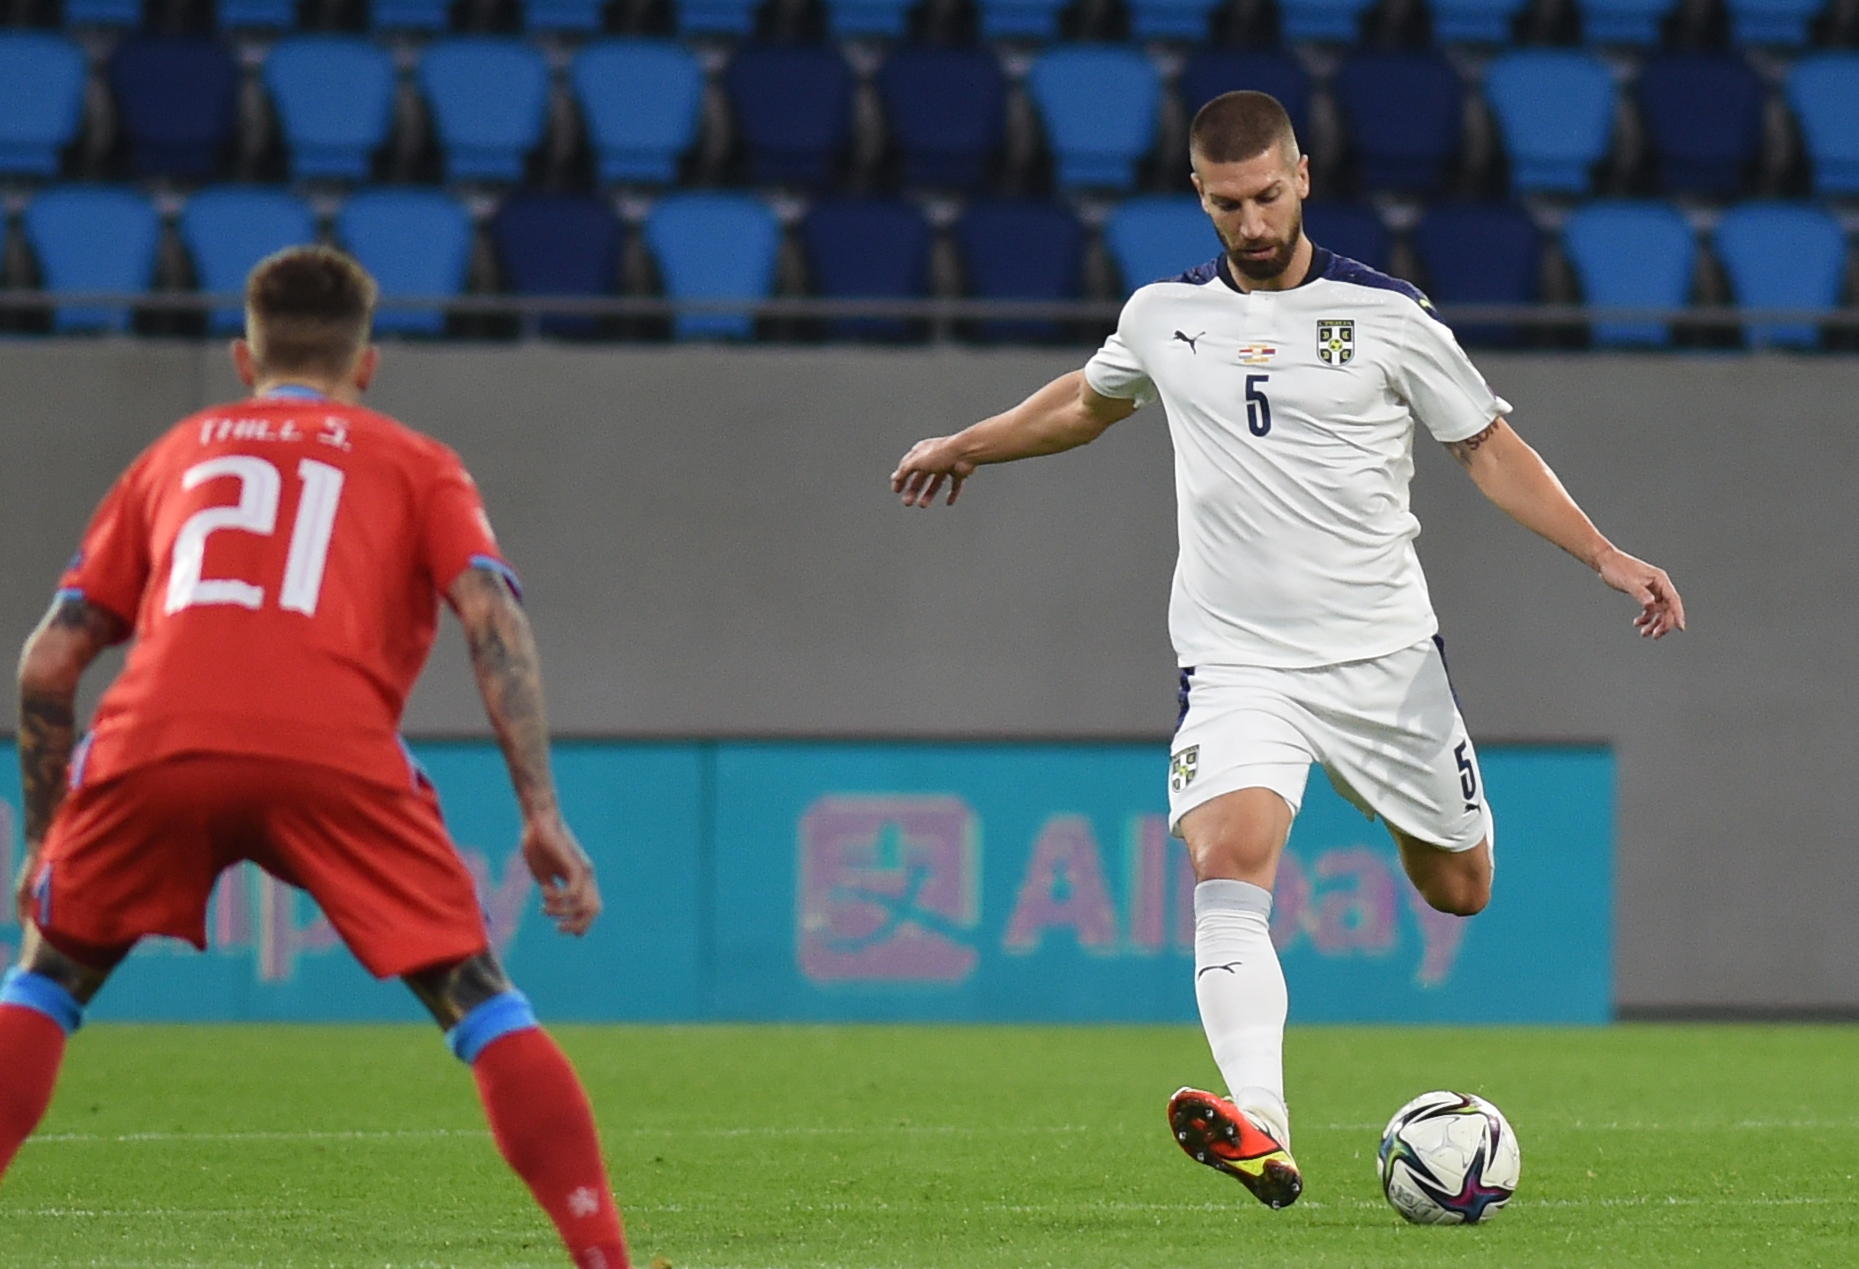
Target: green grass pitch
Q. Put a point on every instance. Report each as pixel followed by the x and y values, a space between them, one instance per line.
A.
pixel 933 1147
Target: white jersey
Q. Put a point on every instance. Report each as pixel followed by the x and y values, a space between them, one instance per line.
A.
pixel 1292 414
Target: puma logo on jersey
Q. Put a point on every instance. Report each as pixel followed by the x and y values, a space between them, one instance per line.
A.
pixel 1190 341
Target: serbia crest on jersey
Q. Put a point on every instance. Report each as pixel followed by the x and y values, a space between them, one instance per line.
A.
pixel 1292 415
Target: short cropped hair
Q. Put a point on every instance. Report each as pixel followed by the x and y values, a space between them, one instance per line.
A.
pixel 308 310
pixel 1237 126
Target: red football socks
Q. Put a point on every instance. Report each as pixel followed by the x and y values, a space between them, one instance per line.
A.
pixel 545 1130
pixel 31 1048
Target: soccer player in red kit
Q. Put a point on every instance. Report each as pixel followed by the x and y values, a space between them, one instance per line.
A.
pixel 280 563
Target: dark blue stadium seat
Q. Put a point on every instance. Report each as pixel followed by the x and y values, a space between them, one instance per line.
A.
pixel 103 12
pixel 1210 72
pixel 1631 255
pixel 490 102
pixel 1474 21
pixel 1170 19
pixel 41 101
pixel 1331 21
pixel 1481 253
pixel 946 107
pixel 409 15
pixel 229 229
pixel 254 14
pixel 794 106
pixel 1775 23
pixel 1555 110
pixel 1704 115
pixel 1021 19
pixel 415 242
pixel 1404 148
pixel 1349 229
pixel 643 101
pixel 867 248
pixel 852 18
pixel 1157 237
pixel 714 247
pixel 558 244
pixel 716 17
pixel 1099 105
pixel 1782 255
pixel 1823 89
pixel 92 238
pixel 1631 22
pixel 177 95
pixel 582 17
pixel 335 103
pixel 1021 249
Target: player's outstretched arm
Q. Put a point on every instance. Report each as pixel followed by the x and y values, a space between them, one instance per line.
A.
pixel 503 654
pixel 68 638
pixel 1063 415
pixel 1516 478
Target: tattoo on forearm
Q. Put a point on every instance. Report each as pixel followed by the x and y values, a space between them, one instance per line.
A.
pixel 48 715
pixel 503 654
pixel 1463 450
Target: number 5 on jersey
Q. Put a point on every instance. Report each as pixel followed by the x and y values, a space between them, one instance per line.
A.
pixel 257 512
pixel 1258 405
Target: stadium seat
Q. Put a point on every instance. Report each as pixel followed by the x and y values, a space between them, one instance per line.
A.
pixel 1021 19
pixel 1555 111
pixel 92 238
pixel 852 18
pixel 237 15
pixel 794 106
pixel 415 242
pixel 1403 149
pixel 1158 237
pixel 1099 106
pixel 716 17
pixel 335 103
pixel 1775 23
pixel 103 13
pixel 229 229
pixel 490 103
pixel 41 101
pixel 1632 22
pixel 1212 71
pixel 1631 255
pixel 1704 115
pixel 867 248
pixel 1349 229
pixel 714 247
pixel 946 108
pixel 643 101
pixel 1333 21
pixel 1781 255
pixel 583 17
pixel 1170 19
pixel 558 244
pixel 1481 253
pixel 1020 249
pixel 1823 89
pixel 409 15
pixel 1475 21
pixel 176 94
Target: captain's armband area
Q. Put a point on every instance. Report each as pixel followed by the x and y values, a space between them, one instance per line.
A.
pixel 1463 450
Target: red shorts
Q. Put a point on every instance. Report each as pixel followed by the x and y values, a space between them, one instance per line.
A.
pixel 139 854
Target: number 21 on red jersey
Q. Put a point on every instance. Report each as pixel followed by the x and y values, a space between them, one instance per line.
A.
pixel 260 484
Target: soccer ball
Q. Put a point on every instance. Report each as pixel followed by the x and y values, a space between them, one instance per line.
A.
pixel 1448 1159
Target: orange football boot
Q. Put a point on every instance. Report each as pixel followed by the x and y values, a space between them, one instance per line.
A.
pixel 1219 1134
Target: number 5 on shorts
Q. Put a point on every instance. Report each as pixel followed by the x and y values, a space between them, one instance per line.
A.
pixel 1468 774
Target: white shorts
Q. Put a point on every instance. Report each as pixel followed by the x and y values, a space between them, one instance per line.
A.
pixel 1387 731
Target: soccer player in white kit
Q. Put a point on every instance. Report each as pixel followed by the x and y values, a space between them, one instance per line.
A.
pixel 1292 379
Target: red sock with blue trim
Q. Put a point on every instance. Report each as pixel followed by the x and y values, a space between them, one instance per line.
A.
pixel 32 1046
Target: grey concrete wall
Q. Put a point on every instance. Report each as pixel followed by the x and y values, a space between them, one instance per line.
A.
pixel 710 548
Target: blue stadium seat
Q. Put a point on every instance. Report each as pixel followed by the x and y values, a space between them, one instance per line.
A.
pixel 1632 22
pixel 867 248
pixel 947 109
pixel 558 244
pixel 1021 19
pixel 1170 19
pixel 409 15
pixel 643 101
pixel 415 242
pixel 583 17
pixel 229 229
pixel 103 12
pixel 1099 107
pixel 1775 23
pixel 1631 255
pixel 1782 255
pixel 1403 149
pixel 1333 21
pixel 884 18
pixel 1019 249
pixel 1823 89
pixel 177 95
pixel 1481 253
pixel 714 247
pixel 1158 237
pixel 1349 229
pixel 254 14
pixel 794 106
pixel 92 238
pixel 1555 111
pixel 1474 21
pixel 41 101
pixel 716 17
pixel 490 101
pixel 1704 115
pixel 335 103
pixel 1210 72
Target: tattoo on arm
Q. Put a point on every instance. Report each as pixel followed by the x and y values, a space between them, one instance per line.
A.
pixel 1463 450
pixel 509 671
pixel 72 634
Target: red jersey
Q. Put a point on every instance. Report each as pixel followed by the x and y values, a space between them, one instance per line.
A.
pixel 282 561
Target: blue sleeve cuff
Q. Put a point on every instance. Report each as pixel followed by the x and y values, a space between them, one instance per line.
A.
pixel 503 570
pixel 33 991
pixel 497 1017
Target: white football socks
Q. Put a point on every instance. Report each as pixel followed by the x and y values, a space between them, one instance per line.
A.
pixel 1241 991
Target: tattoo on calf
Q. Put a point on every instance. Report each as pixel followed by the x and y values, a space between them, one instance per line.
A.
pixel 1463 450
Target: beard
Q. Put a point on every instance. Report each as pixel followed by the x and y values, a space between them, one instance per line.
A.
pixel 1273 265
